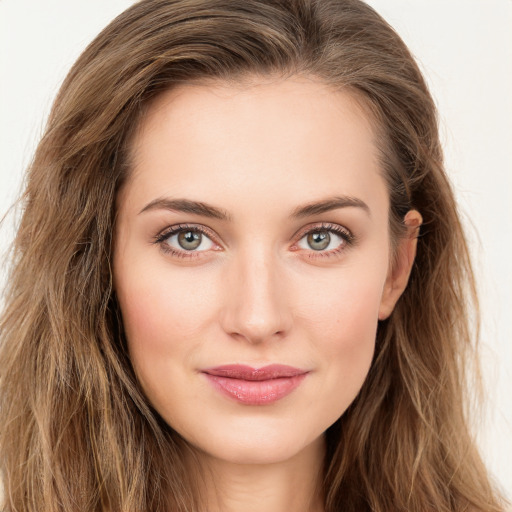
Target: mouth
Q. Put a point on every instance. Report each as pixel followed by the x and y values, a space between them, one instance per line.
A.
pixel 255 386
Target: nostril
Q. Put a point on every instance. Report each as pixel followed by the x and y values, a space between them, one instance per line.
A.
pixel 257 338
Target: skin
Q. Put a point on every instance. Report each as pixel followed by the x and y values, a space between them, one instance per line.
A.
pixel 255 292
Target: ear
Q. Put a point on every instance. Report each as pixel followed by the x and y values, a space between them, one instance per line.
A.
pixel 400 269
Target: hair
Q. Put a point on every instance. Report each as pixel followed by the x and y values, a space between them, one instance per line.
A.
pixel 76 431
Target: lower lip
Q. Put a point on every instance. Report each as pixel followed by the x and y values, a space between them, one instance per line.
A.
pixel 256 392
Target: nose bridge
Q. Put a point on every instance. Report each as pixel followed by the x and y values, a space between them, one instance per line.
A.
pixel 257 309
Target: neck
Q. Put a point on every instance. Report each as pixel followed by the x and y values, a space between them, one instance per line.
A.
pixel 293 484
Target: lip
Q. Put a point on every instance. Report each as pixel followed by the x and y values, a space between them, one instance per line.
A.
pixel 255 386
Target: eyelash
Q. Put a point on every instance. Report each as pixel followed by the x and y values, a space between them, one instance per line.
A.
pixel 348 239
pixel 161 239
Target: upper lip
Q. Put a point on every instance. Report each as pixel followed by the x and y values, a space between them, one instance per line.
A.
pixel 244 372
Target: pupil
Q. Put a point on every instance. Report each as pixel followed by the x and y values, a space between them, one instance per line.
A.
pixel 189 240
pixel 319 240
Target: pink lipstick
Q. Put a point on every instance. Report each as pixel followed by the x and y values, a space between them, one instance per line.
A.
pixel 253 386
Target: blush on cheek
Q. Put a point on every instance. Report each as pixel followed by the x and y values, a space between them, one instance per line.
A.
pixel 153 309
pixel 342 306
pixel 349 329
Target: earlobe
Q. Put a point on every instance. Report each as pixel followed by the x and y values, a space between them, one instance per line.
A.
pixel 398 275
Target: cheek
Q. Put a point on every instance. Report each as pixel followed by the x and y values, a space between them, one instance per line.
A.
pixel 341 318
pixel 164 314
pixel 349 340
pixel 342 307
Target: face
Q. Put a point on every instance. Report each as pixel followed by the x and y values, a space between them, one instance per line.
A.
pixel 252 263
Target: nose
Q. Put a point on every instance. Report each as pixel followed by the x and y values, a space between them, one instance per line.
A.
pixel 256 305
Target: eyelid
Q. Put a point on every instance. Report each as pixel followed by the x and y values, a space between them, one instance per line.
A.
pixel 325 226
pixel 176 228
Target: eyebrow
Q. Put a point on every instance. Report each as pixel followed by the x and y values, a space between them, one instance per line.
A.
pixel 207 210
pixel 327 205
pixel 187 206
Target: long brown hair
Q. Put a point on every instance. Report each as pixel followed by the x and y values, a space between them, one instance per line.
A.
pixel 76 432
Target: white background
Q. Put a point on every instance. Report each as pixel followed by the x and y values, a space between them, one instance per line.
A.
pixel 465 50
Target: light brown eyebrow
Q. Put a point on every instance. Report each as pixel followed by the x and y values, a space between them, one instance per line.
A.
pixel 327 205
pixel 186 206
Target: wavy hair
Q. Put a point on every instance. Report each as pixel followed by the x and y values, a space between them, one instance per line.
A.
pixel 76 432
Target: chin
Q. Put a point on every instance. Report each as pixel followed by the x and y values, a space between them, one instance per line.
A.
pixel 256 443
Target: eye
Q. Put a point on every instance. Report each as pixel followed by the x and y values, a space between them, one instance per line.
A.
pixel 327 238
pixel 185 240
pixel 191 241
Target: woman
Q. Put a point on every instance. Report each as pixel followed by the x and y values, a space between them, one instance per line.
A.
pixel 232 304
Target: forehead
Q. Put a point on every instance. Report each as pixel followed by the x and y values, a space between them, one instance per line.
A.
pixel 261 138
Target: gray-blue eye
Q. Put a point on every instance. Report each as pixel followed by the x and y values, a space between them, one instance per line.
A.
pixel 189 240
pixel 321 240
